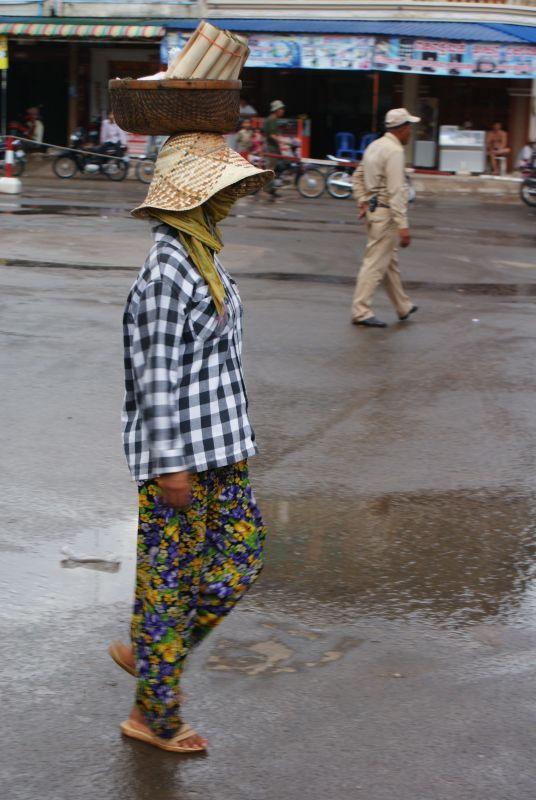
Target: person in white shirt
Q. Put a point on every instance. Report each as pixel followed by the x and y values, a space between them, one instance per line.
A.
pixel 246 109
pixel 111 132
pixel 526 156
pixel 35 129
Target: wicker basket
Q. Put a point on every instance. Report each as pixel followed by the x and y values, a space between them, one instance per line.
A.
pixel 166 107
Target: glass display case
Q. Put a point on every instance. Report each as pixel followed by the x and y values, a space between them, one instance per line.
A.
pixel 461 150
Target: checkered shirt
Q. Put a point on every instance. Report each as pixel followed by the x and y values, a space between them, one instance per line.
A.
pixel 185 401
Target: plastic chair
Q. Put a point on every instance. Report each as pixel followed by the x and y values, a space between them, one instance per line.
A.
pixel 345 145
pixel 366 139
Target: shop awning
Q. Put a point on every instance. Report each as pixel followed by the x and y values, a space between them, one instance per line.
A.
pixel 453 31
pixel 73 29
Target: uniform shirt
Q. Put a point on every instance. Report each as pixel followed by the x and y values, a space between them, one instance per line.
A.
pixel 382 174
pixel 185 401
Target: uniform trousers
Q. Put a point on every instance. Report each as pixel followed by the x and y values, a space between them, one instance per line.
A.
pixel 380 264
pixel 193 566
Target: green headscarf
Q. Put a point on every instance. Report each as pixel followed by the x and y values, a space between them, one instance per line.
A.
pixel 199 233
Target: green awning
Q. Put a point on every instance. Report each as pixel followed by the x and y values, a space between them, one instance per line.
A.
pixel 75 30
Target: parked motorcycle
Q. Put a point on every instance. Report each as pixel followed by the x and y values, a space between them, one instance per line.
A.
pixel 19 157
pixel 339 181
pixel 107 159
pixel 527 189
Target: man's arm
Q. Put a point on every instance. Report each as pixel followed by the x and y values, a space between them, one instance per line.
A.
pixel 398 194
pixel 359 190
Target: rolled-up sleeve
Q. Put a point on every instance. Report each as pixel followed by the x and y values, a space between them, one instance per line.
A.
pixel 156 367
pixel 358 185
pixel 397 188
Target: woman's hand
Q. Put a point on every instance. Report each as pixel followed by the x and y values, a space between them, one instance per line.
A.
pixel 176 488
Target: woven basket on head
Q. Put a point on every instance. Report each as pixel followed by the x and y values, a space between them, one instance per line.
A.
pixel 170 106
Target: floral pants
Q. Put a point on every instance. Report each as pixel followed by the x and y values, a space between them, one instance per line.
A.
pixel 193 566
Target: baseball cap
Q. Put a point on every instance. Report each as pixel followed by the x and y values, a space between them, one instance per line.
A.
pixel 275 105
pixel 399 116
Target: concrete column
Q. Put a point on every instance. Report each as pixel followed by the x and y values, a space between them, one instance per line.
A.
pixel 73 89
pixel 532 122
pixel 410 96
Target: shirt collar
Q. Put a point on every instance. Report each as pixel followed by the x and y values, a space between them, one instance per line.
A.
pixel 393 138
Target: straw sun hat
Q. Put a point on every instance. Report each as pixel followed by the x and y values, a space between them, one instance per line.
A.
pixel 193 167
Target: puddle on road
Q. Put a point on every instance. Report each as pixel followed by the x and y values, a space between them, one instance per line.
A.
pixel 450 559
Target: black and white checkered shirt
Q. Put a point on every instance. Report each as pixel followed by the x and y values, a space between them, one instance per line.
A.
pixel 185 402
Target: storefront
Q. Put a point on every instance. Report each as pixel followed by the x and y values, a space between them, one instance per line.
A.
pixel 63 68
pixel 453 73
pixel 482 74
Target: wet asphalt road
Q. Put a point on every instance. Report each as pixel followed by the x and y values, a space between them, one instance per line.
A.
pixel 389 649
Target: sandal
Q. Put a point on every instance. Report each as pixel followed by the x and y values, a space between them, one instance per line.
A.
pixel 172 745
pixel 115 652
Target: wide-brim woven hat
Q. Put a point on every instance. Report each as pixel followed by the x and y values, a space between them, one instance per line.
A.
pixel 193 167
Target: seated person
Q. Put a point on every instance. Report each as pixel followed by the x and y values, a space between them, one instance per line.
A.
pixel 496 145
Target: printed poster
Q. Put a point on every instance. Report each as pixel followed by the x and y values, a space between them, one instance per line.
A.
pixel 380 53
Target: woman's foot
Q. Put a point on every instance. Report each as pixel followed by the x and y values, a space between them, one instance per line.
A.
pixel 125 656
pixel 194 741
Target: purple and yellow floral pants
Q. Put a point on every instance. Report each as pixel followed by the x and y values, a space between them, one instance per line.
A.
pixel 193 566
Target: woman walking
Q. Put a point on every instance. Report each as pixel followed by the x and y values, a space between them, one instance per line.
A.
pixel 186 431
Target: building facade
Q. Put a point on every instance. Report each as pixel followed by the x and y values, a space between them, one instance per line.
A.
pixel 341 63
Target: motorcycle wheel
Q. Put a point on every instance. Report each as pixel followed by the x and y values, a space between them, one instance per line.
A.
pixel 311 183
pixel 64 167
pixel 527 191
pixel 145 170
pixel 338 184
pixel 115 170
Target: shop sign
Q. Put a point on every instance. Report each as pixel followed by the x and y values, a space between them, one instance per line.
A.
pixel 380 53
pixel 311 52
pixel 442 57
pixel 4 63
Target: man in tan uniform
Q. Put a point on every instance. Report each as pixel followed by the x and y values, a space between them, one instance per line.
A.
pixel 380 189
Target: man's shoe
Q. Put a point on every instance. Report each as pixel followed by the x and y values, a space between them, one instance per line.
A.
pixel 370 322
pixel 412 310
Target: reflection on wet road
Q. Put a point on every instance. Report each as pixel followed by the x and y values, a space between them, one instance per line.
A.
pixel 447 558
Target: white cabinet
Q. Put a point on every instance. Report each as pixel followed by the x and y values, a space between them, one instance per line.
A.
pixel 461 150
